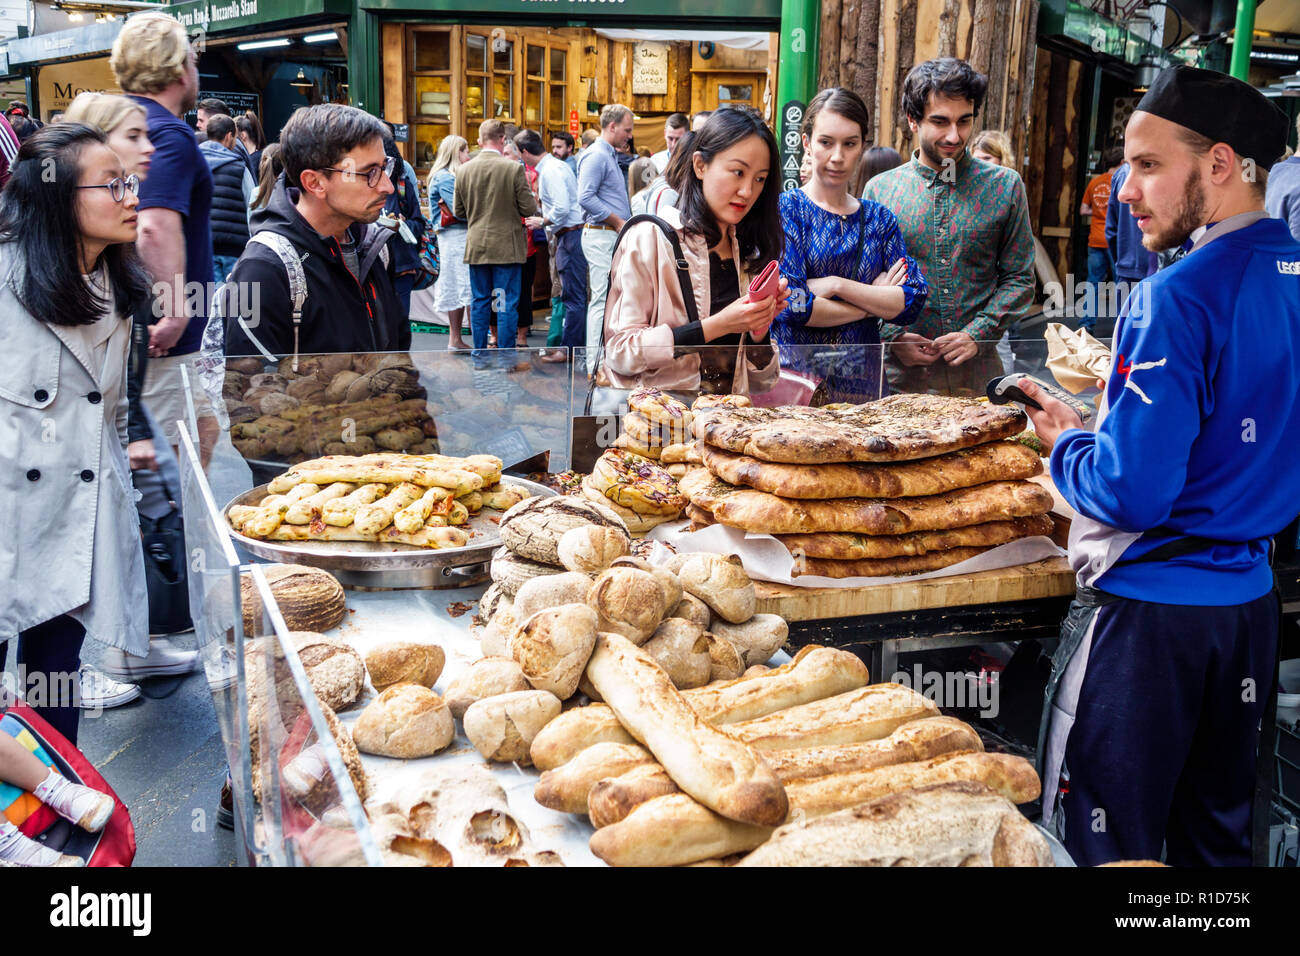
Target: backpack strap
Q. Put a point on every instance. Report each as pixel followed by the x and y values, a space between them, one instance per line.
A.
pixel 283 248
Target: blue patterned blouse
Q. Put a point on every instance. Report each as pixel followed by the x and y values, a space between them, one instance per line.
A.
pixel 859 247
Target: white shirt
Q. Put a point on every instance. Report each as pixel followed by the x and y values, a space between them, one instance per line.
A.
pixel 557 188
pixel 660 159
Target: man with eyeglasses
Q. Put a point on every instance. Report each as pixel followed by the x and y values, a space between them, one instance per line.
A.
pixel 334 186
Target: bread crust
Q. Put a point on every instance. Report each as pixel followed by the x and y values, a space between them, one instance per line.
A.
pixel 896 428
pixel 846 546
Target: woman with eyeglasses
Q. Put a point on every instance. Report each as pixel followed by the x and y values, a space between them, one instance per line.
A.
pixel 154 470
pixel 69 280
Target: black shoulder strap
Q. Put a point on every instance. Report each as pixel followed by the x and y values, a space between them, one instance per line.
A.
pixel 683 276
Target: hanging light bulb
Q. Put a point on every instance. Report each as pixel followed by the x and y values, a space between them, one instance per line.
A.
pixel 301 82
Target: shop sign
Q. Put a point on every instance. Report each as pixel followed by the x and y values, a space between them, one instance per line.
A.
pixel 402 132
pixel 650 69
pixel 791 144
pixel 575 125
pixel 59 83
pixel 238 102
pixel 221 15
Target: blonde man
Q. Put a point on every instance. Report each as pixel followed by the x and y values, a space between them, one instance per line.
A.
pixel 602 193
pixel 155 65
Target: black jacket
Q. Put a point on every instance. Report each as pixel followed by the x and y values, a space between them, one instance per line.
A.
pixel 229 212
pixel 340 314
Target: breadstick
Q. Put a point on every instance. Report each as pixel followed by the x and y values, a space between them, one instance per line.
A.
pixel 269 517
pixel 375 517
pixel 306 510
pixel 412 518
pixel 341 511
pixel 426 537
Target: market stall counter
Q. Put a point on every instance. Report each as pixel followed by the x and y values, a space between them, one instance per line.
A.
pixel 360 720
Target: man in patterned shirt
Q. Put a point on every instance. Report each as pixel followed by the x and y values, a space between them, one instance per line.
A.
pixel 966 222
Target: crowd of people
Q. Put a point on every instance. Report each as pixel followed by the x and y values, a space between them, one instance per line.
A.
pixel 151 233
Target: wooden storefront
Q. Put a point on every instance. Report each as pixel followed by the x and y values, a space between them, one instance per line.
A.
pixel 446 79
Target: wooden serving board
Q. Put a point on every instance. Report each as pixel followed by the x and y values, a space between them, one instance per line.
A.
pixel 1051 577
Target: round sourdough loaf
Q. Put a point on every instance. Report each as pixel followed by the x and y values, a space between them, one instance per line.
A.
pixel 502 728
pixel 532 529
pixel 510 571
pixel 692 608
pixel 487 677
pixel 721 583
pixel 310 599
pixel 405 721
pixel 672 587
pixel 552 647
pixel 550 591
pixel 592 548
pixel 757 639
pixel 682 650
pixel 629 601
pixel 405 662
pixel 725 660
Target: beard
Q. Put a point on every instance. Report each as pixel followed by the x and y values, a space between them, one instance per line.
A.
pixel 1187 217
pixel 930 149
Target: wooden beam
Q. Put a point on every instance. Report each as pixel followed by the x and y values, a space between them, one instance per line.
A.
pixel 829 51
pixel 846 56
pixel 981 49
pixel 866 62
pixel 949 17
pixel 906 59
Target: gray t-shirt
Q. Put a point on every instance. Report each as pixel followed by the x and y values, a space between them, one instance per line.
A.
pixel 349 250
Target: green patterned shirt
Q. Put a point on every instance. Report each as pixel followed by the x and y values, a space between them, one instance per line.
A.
pixel 969 231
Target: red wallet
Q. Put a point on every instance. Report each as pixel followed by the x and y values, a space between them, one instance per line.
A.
pixel 765 284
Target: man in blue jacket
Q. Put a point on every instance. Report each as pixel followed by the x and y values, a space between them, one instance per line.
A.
pixel 1169 652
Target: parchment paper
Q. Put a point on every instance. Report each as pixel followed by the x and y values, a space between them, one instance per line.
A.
pixel 1075 357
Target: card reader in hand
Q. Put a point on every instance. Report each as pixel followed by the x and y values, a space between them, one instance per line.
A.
pixel 1006 388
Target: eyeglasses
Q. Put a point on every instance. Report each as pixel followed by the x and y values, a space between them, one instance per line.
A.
pixel 372 174
pixel 118 187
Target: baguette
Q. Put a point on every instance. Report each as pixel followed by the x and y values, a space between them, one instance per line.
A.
pixel 659 833
pixel 720 772
pixel 618 781
pixel 566 788
pixel 867 713
pixel 951 824
pixel 814 673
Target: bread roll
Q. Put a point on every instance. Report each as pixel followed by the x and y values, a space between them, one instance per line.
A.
pixel 495 639
pixel 502 728
pixel 711 766
pixel 566 788
pixel 756 671
pixel 488 677
pixel 553 646
pixel 672 587
pixel 405 721
pixel 592 548
pixel 405 662
pixel 541 594
pixel 722 584
pixel 629 602
pixel 814 673
pixel 493 598
pixel 334 669
pixel 510 571
pixel 952 824
pixel 757 639
pixel 692 608
pixel 725 660
pixel 682 650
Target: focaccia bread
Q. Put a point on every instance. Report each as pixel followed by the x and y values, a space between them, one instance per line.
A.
pixel 760 512
pixel 896 428
pixel 859 547
pixel 658 406
pixel 994 461
pixel 635 522
pixel 654 434
pixel 637 483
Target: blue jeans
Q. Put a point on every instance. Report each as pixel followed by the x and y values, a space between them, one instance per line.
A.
pixel 221 266
pixel 1100 269
pixel 495 289
pixel 571 264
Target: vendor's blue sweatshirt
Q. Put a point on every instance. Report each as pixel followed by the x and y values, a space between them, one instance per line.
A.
pixel 1203 433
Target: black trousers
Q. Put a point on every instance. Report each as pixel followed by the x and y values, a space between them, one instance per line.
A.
pixel 49 656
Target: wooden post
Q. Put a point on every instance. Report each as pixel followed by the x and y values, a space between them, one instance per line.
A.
pixel 829 55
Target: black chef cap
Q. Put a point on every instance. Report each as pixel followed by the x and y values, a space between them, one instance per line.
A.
pixel 1221 108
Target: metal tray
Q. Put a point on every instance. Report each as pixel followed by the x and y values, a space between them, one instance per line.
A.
pixel 371 564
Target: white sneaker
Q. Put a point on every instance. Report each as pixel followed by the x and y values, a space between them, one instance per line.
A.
pixel 164 660
pixel 19 849
pixel 87 808
pixel 222 672
pixel 101 692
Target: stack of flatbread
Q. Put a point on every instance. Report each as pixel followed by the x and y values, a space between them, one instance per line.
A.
pixel 903 485
pixel 417 500
pixel 657 427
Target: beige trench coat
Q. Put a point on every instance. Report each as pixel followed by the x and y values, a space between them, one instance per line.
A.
pixel 69 534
